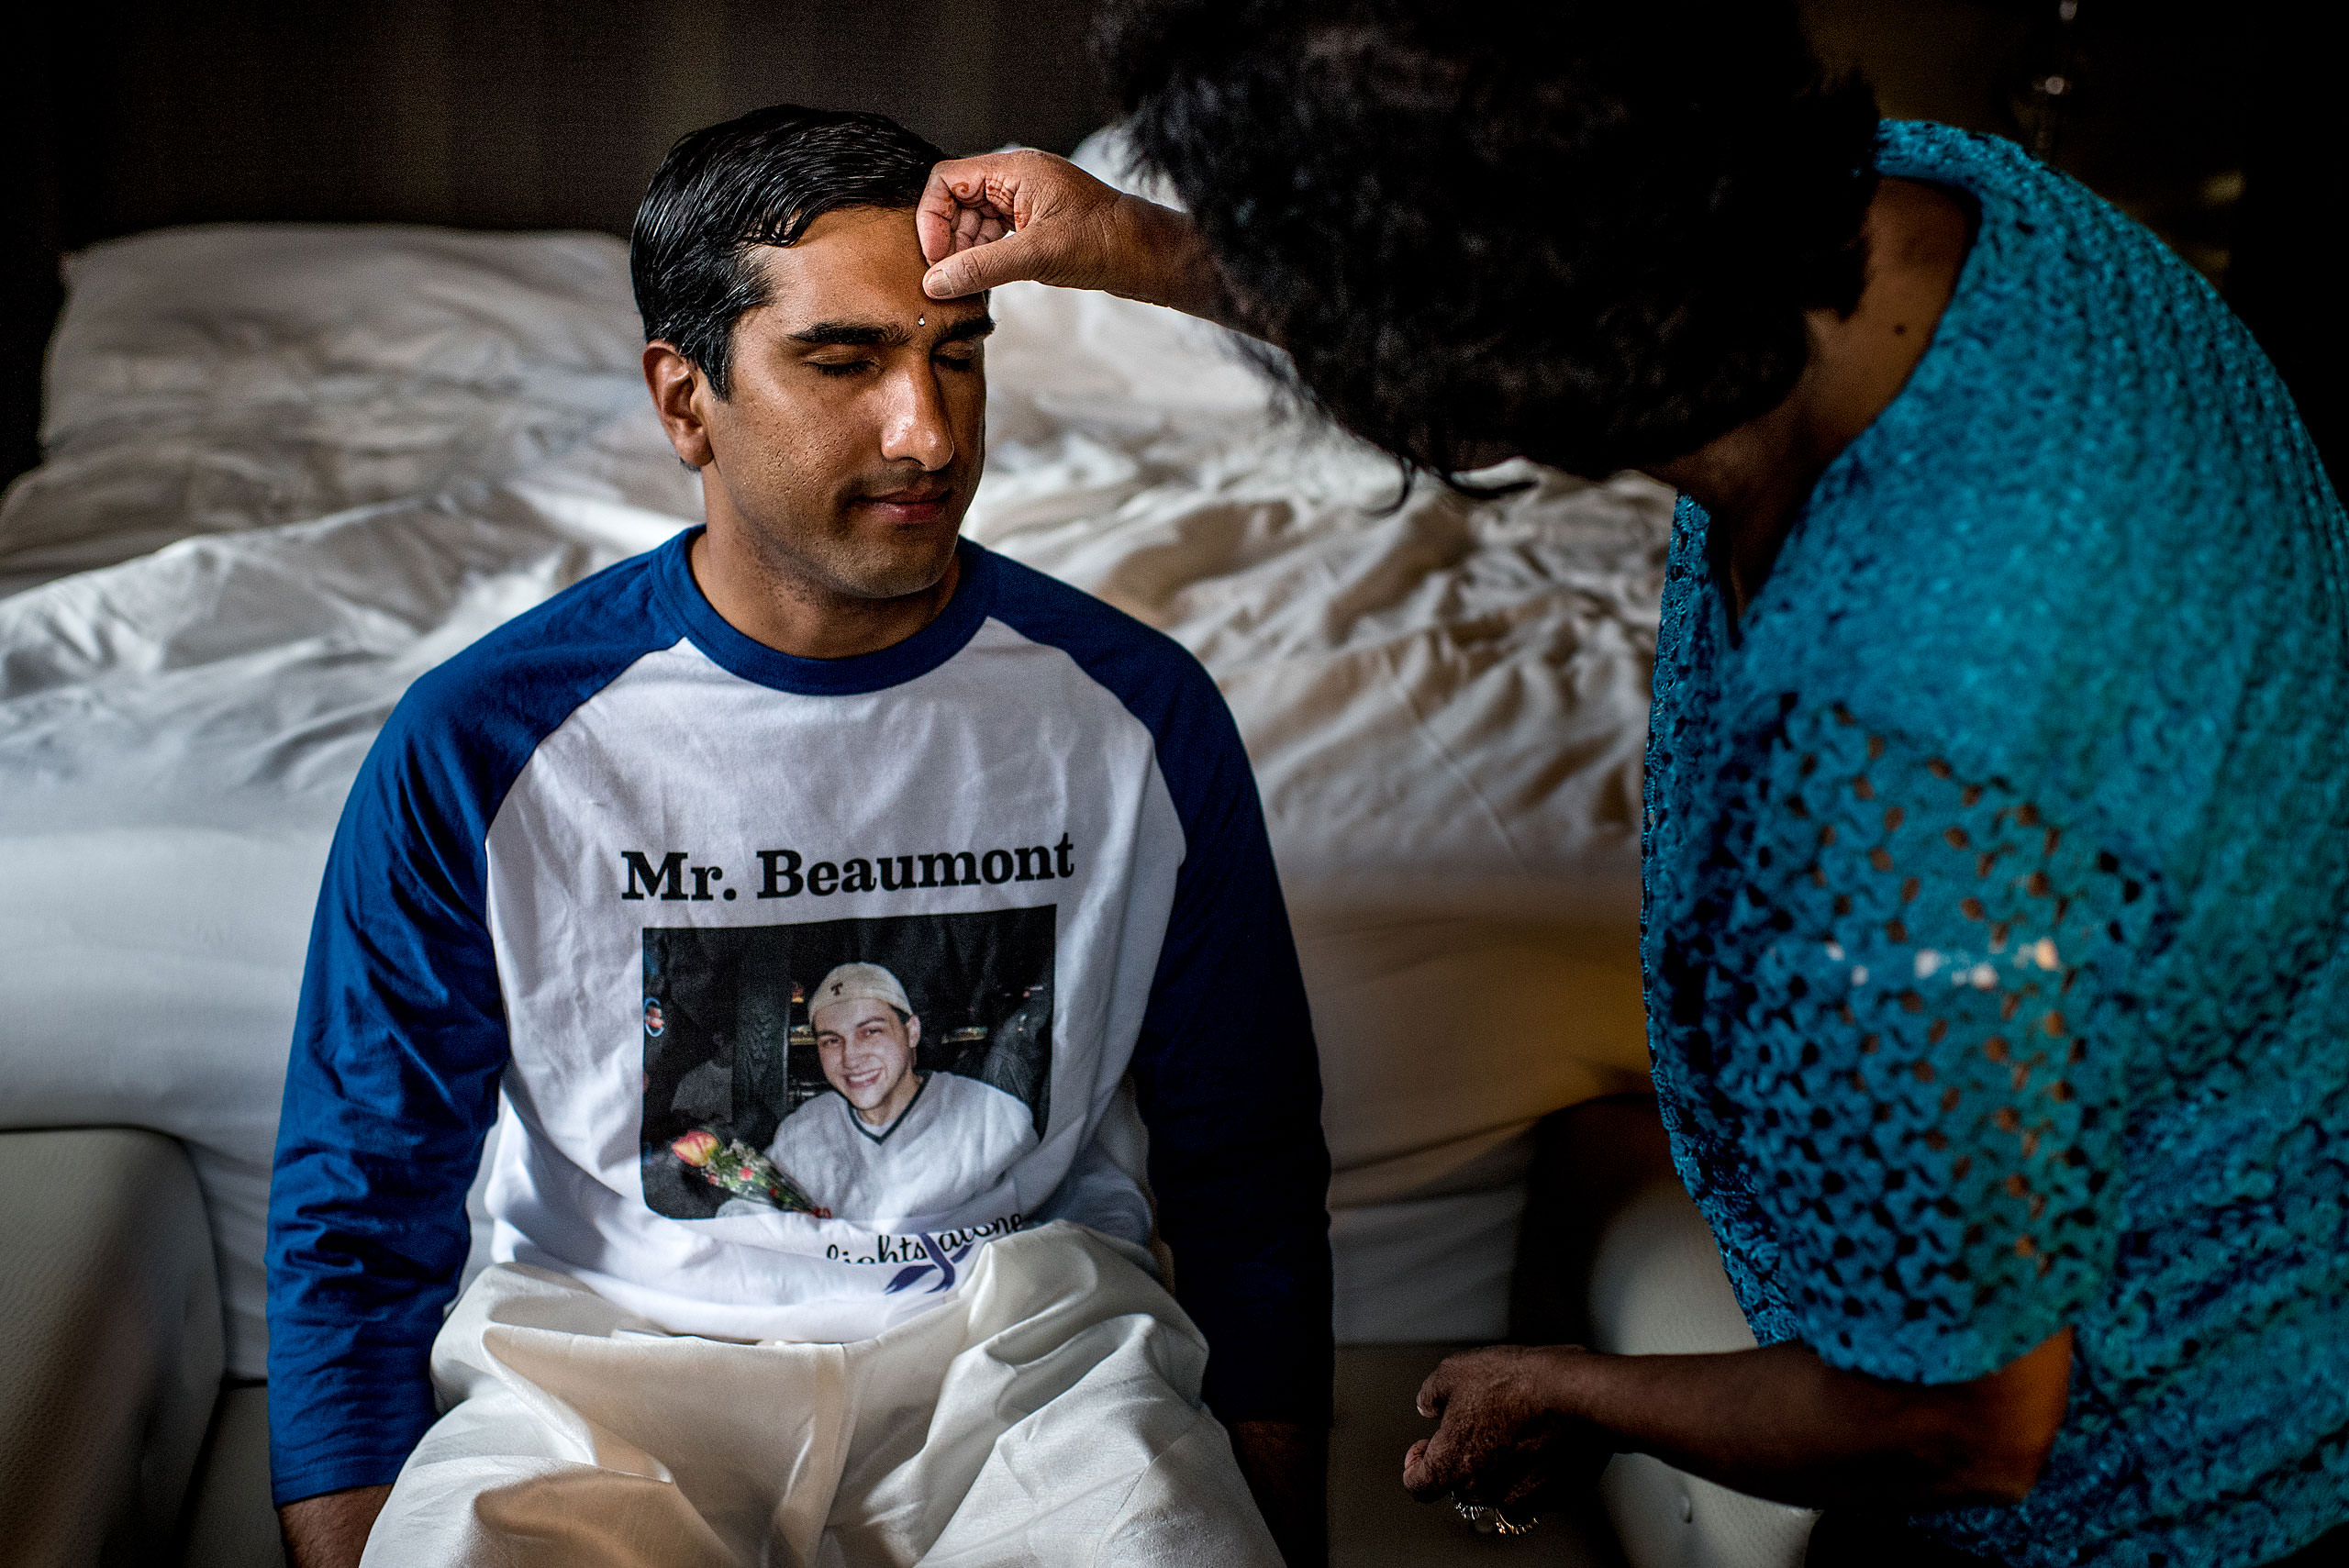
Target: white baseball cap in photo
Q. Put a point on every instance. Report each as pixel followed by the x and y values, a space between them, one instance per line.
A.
pixel 858 982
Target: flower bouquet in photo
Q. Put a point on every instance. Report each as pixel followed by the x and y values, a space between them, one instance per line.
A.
pixel 735 1168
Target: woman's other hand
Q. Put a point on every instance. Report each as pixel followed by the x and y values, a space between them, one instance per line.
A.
pixel 1029 217
pixel 1521 1427
pixel 1505 1438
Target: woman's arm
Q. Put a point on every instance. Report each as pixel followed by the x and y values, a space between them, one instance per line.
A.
pixel 1776 1422
pixel 1913 990
pixel 1019 217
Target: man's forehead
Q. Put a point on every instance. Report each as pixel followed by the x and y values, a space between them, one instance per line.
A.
pixel 853 1009
pixel 854 263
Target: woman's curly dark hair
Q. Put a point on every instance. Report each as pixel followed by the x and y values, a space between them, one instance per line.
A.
pixel 1588 231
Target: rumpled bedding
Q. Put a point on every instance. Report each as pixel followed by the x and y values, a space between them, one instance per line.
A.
pixel 291 468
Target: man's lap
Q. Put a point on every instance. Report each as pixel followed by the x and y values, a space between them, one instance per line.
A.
pixel 1047 1409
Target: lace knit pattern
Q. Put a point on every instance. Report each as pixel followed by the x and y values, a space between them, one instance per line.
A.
pixel 1997 892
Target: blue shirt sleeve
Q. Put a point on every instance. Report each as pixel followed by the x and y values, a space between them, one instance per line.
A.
pixel 390 1090
pixel 1230 1086
pixel 400 1041
pixel 1226 1073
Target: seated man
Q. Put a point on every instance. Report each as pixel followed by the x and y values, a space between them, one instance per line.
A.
pixel 579 886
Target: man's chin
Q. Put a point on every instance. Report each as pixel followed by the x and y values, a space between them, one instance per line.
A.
pixel 902 584
pixel 899 578
pixel 883 561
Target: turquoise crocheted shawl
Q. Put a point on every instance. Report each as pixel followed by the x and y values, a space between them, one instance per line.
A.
pixel 1997 886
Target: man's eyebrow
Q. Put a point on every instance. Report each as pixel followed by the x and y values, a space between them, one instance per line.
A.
pixel 871 335
pixel 978 326
pixel 849 334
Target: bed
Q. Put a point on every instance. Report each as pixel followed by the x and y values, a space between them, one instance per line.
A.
pixel 289 468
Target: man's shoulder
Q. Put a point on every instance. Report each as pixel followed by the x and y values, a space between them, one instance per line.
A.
pixel 471 723
pixel 586 633
pixel 1113 647
pixel 952 1088
pixel 1155 678
pixel 976 1107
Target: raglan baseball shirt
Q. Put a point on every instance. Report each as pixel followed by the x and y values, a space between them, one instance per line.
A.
pixel 588 880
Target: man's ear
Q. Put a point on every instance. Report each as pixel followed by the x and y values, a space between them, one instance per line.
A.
pixel 680 394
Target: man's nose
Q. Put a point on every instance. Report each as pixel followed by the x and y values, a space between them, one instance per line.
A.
pixel 916 425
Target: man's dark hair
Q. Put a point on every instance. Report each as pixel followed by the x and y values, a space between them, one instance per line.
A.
pixel 760 180
pixel 1588 231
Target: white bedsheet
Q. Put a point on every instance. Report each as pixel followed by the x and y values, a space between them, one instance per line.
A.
pixel 372 445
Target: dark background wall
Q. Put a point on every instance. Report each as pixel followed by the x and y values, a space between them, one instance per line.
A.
pixel 126 114
pixel 129 114
pixel 2211 123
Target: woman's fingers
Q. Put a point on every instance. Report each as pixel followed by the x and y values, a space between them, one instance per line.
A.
pixel 967 223
pixel 1436 1389
pixel 1498 1441
pixel 1008 259
pixel 1431 1468
pixel 952 206
pixel 972 226
pixel 1434 1465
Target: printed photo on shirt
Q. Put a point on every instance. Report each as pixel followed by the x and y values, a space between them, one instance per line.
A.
pixel 868 1070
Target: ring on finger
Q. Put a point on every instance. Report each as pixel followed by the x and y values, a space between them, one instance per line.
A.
pixel 1496 1520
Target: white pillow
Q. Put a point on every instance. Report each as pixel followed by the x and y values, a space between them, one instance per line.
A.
pixel 212 379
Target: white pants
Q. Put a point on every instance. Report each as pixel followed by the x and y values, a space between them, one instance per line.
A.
pixel 1046 1412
